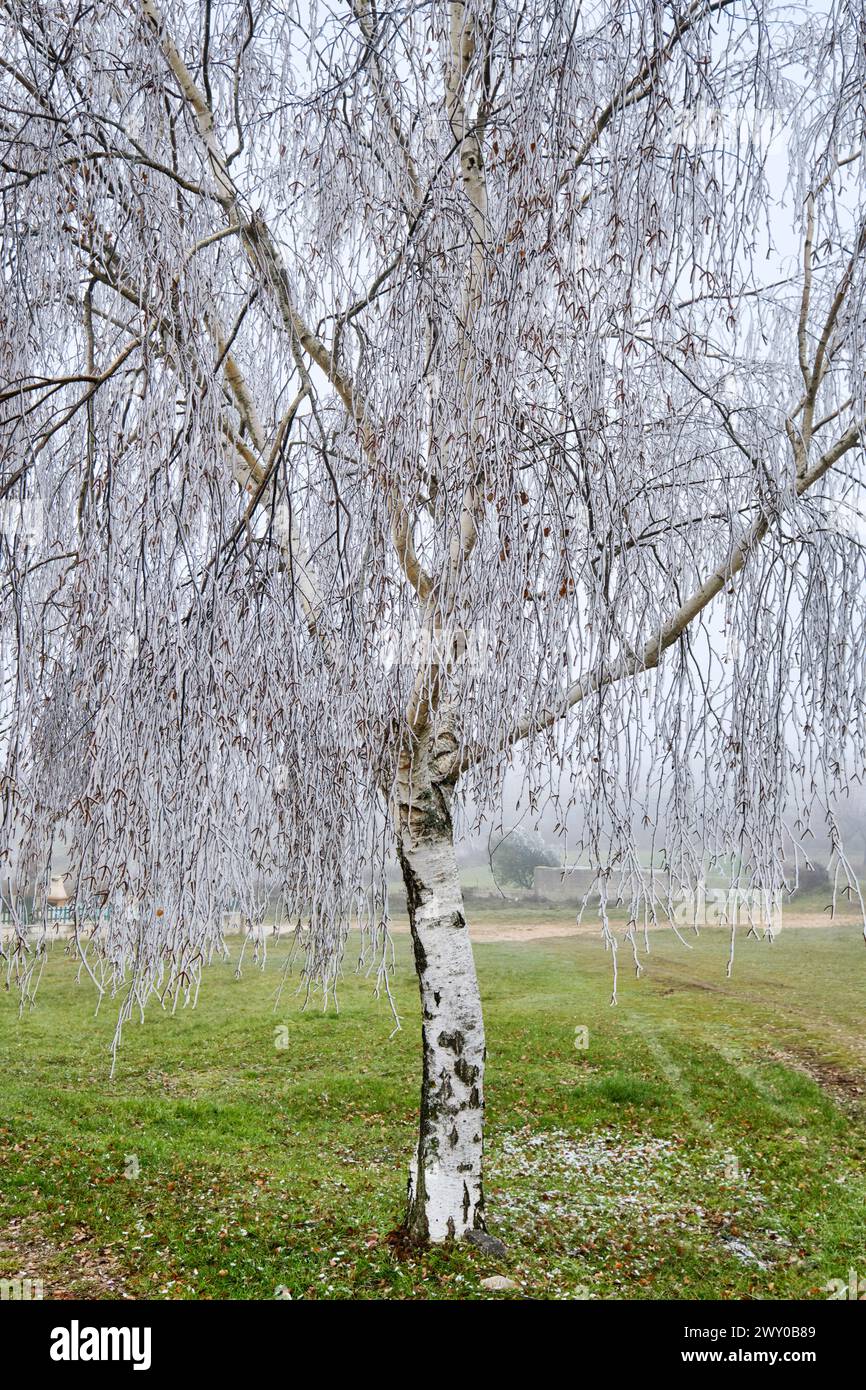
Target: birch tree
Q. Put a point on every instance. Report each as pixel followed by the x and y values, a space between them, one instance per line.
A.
pixel 393 396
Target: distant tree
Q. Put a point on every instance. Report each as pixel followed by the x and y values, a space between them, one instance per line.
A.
pixel 388 393
pixel 516 855
pixel 812 878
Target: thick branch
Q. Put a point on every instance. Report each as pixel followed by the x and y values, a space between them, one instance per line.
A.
pixel 652 649
pixel 265 258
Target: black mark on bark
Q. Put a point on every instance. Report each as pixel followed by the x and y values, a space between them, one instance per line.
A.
pixel 465 1072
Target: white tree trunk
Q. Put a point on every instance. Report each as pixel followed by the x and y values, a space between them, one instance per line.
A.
pixel 445 1184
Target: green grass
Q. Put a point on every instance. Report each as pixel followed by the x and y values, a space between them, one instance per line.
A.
pixel 708 1142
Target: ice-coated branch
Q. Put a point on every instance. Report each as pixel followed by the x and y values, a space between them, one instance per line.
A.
pixel 399 399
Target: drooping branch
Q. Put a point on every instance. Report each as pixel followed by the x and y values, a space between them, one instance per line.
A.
pixel 649 655
pixel 263 253
pixel 496 446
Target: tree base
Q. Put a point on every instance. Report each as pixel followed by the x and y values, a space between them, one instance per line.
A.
pixel 405 1242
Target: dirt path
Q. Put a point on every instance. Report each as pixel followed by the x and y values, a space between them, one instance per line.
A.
pixel 482 931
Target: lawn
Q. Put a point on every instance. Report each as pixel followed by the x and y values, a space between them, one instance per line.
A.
pixel 709 1140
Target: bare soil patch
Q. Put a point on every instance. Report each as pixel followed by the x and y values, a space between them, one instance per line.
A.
pixel 68 1269
pixel 835 1080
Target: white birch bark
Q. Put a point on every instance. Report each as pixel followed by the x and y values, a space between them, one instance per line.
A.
pixel 446 1196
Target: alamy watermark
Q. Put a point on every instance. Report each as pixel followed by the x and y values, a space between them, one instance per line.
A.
pixel 77 1343
pixel 21 1290
pixel 22 520
pixel 731 907
pixel 854 1287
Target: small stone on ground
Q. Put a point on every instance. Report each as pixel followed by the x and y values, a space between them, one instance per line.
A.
pixel 489 1244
